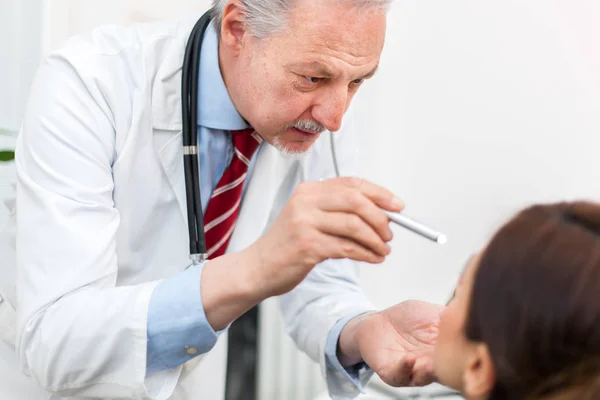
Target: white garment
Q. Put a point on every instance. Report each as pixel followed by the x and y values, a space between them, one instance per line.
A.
pixel 102 218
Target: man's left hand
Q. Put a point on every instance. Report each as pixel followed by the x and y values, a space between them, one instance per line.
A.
pixel 397 343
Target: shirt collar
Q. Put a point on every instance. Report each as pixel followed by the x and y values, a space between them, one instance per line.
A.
pixel 215 108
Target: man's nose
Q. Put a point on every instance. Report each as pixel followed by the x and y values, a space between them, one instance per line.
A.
pixel 330 109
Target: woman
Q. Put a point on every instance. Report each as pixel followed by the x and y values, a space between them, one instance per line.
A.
pixel 524 322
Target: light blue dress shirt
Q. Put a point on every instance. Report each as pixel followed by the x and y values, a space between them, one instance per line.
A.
pixel 177 326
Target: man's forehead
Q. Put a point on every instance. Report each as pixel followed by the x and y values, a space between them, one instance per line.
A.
pixel 338 25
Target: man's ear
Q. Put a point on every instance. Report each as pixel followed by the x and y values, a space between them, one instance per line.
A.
pixel 480 375
pixel 233 27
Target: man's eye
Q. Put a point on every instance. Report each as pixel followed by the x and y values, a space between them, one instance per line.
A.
pixel 358 81
pixel 312 79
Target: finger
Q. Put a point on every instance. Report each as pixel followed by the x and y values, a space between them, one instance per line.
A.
pixel 377 194
pixel 423 372
pixel 351 226
pixel 337 247
pixel 403 374
pixel 344 199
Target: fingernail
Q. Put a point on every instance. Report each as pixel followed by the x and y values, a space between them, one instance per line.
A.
pixel 388 249
pixel 396 202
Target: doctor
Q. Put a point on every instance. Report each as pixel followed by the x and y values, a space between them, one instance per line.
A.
pixel 107 304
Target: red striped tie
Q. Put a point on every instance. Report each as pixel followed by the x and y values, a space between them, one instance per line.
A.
pixel 224 204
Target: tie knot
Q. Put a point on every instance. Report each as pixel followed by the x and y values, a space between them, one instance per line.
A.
pixel 243 132
pixel 246 141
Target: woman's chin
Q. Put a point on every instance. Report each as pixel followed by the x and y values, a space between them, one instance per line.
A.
pixel 446 374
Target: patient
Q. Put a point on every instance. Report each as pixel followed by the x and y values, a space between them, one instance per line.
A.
pixel 524 322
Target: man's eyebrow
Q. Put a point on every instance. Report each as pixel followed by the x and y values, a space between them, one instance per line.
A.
pixel 371 73
pixel 323 71
pixel 316 68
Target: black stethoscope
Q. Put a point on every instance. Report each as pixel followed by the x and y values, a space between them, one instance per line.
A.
pixel 189 108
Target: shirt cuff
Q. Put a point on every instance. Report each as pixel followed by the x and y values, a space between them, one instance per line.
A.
pixel 177 326
pixel 352 373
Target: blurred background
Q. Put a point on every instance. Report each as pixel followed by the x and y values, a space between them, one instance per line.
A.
pixel 479 108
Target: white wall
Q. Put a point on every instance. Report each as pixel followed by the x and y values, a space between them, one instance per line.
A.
pixel 479 108
pixel 20 34
pixel 63 18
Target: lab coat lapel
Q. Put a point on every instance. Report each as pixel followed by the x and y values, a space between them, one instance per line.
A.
pixel 171 157
pixel 167 119
pixel 166 114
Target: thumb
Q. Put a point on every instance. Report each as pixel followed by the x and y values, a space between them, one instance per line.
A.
pixel 423 372
pixel 402 374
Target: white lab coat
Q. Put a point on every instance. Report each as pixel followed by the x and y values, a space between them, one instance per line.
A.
pixel 102 219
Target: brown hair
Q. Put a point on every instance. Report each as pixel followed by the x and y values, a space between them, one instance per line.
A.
pixel 536 303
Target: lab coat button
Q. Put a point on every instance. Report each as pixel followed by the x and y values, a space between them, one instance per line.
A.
pixel 191 350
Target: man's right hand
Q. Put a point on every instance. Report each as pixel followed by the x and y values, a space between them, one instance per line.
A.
pixel 336 218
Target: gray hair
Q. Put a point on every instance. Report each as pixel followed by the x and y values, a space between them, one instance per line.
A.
pixel 267 17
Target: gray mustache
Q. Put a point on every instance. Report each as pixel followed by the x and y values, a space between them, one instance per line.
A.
pixel 306 125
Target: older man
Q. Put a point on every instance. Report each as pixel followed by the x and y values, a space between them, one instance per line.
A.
pixel 108 303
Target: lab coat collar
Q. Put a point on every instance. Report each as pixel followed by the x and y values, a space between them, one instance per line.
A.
pixel 216 108
pixel 166 88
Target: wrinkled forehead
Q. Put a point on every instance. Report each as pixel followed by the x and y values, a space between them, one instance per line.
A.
pixel 335 25
pixel 339 42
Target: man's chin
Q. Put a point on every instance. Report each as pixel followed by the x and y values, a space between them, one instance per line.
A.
pixel 294 147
